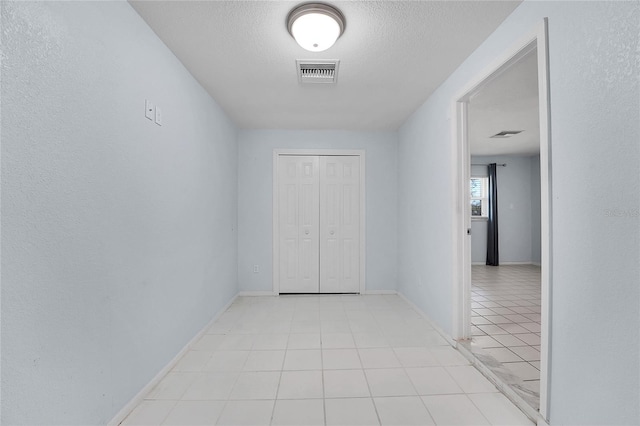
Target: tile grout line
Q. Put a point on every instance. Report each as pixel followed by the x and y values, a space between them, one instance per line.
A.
pixel 366 378
pixel 324 394
pixel 275 398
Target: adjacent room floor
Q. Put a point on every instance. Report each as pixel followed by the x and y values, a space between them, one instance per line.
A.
pixel 506 323
pixel 324 360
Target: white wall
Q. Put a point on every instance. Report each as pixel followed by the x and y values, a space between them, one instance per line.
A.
pixel 536 253
pixel 255 188
pixel 515 211
pixel 595 309
pixel 118 235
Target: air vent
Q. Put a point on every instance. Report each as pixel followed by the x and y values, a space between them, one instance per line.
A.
pixel 506 133
pixel 311 72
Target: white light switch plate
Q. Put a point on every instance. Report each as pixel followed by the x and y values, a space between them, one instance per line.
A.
pixel 149 110
pixel 158 116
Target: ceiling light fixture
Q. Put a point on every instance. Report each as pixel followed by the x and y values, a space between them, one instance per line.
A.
pixel 315 26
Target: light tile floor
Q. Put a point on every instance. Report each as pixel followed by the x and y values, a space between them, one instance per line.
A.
pixel 505 303
pixel 324 360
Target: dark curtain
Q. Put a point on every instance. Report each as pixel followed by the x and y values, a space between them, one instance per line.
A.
pixel 492 223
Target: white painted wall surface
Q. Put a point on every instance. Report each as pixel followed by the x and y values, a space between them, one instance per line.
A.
pixel 595 310
pixel 535 211
pixel 255 188
pixel 479 242
pixel 118 235
pixel 515 211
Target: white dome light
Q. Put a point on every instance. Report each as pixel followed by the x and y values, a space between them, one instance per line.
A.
pixel 315 26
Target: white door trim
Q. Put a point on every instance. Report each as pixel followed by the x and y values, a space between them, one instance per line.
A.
pixel 277 153
pixel 460 199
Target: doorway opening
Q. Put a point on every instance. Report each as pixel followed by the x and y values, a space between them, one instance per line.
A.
pixel 501 319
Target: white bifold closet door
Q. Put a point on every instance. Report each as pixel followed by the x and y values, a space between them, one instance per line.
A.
pixel 299 224
pixel 319 223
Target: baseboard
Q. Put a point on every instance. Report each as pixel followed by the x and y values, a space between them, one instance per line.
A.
pixel 270 293
pixel 257 293
pixel 437 328
pixel 383 292
pixel 508 263
pixel 128 408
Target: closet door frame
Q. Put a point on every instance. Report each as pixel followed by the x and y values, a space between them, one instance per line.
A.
pixel 277 153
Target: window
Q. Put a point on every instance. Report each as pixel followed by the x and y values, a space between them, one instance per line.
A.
pixel 479 197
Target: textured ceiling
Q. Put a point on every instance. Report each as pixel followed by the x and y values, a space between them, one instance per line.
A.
pixel 509 102
pixel 393 55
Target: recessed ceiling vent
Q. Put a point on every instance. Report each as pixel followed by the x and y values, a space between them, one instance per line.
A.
pixel 312 72
pixel 506 133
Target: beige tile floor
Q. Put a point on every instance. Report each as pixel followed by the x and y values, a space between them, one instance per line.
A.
pixel 506 317
pixel 323 360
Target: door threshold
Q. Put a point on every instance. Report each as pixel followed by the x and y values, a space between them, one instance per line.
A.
pixel 507 383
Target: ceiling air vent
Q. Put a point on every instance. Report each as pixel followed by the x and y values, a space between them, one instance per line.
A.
pixel 506 133
pixel 311 72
